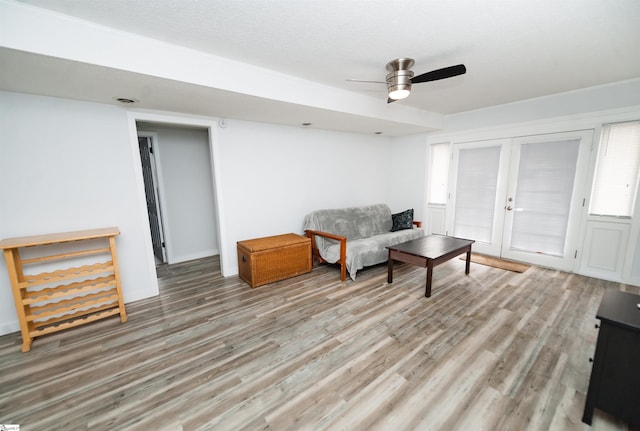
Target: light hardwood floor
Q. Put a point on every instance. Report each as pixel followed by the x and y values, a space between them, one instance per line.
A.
pixel 494 350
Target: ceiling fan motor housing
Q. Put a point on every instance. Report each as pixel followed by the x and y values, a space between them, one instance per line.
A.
pixel 399 77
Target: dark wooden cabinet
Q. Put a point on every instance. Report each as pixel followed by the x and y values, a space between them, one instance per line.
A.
pixel 614 386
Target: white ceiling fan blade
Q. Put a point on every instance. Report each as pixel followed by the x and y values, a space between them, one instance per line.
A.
pixel 364 80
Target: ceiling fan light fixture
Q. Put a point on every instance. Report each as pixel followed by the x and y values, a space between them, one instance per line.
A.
pixel 399 84
pixel 399 94
pixel 399 78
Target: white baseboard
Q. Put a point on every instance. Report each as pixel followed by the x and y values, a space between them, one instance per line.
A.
pixel 192 256
pixel 9 327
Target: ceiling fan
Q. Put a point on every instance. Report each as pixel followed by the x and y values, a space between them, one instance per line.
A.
pixel 401 77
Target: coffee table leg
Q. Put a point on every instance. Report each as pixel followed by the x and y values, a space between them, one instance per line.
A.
pixel 390 270
pixel 429 276
pixel 468 265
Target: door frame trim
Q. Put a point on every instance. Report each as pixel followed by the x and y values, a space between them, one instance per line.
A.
pixel 216 177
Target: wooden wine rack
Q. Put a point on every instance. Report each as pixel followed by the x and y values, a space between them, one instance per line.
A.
pixel 55 300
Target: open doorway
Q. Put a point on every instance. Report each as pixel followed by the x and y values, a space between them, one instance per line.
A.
pixel 180 191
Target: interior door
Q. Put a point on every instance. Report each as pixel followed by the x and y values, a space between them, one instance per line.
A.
pixel 152 202
pixel 545 197
pixel 478 184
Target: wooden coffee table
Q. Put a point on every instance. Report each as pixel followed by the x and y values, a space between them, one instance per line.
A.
pixel 427 252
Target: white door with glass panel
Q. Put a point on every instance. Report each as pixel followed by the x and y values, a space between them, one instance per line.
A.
pixel 521 198
pixel 478 186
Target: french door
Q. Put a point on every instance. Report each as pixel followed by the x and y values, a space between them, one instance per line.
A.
pixel 521 198
pixel 479 189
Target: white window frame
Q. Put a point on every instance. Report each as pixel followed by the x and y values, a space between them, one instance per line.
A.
pixel 445 176
pixel 603 141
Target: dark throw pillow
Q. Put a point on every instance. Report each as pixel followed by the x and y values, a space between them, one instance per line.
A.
pixel 403 220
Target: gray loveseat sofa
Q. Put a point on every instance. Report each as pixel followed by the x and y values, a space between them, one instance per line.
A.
pixel 357 237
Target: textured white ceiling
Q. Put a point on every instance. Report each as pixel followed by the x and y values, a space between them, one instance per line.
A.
pixel 513 49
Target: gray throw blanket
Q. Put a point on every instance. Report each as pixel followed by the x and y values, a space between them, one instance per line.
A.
pixel 368 233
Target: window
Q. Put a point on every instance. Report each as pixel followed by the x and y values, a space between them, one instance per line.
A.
pixel 438 173
pixel 616 178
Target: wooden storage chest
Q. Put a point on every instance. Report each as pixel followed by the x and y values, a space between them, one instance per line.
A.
pixel 269 259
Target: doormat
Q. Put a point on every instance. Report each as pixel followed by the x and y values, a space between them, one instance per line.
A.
pixel 496 262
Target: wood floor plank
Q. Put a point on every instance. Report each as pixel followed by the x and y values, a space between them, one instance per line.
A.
pixel 490 350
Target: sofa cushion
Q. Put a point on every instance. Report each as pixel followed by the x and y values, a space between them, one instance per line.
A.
pixel 369 251
pixel 402 220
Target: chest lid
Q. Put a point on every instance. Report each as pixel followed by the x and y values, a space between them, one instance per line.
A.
pixel 271 242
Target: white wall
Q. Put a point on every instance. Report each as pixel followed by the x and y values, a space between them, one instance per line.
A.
pixel 68 165
pixel 272 176
pixel 64 166
pixel 187 194
pixel 407 175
